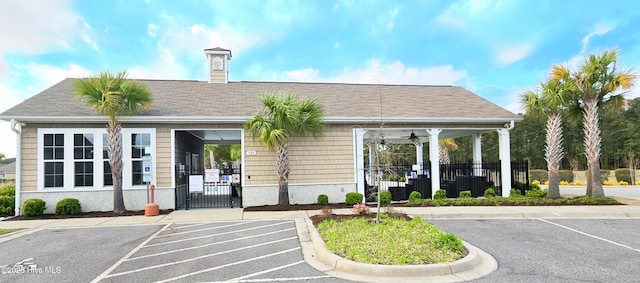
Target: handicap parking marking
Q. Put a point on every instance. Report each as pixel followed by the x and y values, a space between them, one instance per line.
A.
pixel 211 235
pixel 208 245
pixel 246 251
pixel 228 265
pixel 119 262
pixel 590 235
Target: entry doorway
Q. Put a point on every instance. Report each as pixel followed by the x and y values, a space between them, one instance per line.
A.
pixel 200 181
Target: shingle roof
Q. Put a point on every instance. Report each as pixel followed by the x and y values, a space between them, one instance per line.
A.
pixel 186 98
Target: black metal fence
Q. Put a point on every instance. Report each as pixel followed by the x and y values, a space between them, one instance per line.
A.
pixel 401 179
pixel 208 188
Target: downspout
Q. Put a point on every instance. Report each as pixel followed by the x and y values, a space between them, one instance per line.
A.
pixel 511 125
pixel 18 130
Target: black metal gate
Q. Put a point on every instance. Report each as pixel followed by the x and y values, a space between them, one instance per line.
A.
pixel 210 188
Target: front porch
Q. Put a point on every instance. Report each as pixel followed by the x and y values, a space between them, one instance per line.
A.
pixel 402 179
pixel 474 175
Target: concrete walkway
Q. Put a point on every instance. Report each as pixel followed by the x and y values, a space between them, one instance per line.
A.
pixel 229 214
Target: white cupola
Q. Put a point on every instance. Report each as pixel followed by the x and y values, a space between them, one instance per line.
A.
pixel 218 59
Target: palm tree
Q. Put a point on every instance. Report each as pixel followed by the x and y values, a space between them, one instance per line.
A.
pixel 549 99
pixel 444 145
pixel 597 81
pixel 113 95
pixel 210 148
pixel 284 116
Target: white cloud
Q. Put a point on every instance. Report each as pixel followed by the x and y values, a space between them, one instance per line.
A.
pixel 599 29
pixel 152 29
pixel 165 67
pixel 336 6
pixel 336 45
pixel 374 72
pixel 509 54
pixel 457 12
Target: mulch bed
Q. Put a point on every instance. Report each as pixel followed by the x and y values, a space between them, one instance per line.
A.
pixel 306 207
pixel 87 215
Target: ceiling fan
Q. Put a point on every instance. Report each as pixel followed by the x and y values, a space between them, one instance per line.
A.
pixel 413 137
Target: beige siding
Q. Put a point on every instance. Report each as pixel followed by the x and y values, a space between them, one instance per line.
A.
pixel 218 76
pixel 326 160
pixel 163 157
pixel 29 158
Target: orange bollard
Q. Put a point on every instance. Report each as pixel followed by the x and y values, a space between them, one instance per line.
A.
pixel 151 209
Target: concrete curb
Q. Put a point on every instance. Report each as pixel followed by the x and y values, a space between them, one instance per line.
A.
pixel 475 265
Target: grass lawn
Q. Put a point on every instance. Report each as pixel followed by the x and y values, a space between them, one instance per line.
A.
pixel 7 231
pixel 393 241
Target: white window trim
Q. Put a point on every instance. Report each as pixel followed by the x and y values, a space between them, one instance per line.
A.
pixel 98 169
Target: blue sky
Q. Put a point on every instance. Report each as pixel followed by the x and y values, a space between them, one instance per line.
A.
pixel 496 49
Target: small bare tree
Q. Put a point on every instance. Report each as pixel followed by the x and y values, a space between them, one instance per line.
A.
pixel 631 161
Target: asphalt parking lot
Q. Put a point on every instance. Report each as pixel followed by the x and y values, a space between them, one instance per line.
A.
pixel 555 250
pixel 241 251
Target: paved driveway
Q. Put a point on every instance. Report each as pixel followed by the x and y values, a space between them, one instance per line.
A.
pixel 254 251
pixel 557 250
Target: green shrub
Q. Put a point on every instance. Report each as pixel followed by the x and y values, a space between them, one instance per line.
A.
pixel 465 194
pixel 415 196
pixel 385 197
pixel 536 193
pixel 7 201
pixel 393 178
pixel 323 199
pixel 451 241
pixel 6 211
pixel 489 193
pixel 33 207
pixel 566 175
pixel 9 190
pixel 533 186
pixel 623 174
pixel 68 206
pixel 521 185
pixel 540 175
pixel 440 194
pixel 353 198
pixel 514 193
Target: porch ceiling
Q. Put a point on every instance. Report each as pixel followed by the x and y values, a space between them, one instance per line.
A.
pixel 401 136
pixel 218 136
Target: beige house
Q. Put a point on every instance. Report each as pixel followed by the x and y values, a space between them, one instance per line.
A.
pixel 61 148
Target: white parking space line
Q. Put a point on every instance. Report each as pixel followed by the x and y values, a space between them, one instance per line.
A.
pixel 278 279
pixel 592 236
pixel 266 271
pixel 244 278
pixel 200 257
pixel 200 230
pixel 115 265
pixel 214 235
pixel 190 225
pixel 210 244
pixel 229 264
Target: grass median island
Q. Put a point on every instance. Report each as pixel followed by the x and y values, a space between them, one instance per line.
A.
pixel 393 241
pixel 7 231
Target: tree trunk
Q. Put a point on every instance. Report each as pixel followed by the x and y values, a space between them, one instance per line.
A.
pixel 553 153
pixel 592 141
pixel 444 154
pixel 282 166
pixel 115 160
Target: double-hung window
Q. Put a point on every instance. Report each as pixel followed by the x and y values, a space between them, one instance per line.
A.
pixel 77 159
pixel 53 155
pixel 83 160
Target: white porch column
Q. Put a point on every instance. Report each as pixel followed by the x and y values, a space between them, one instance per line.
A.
pixel 477 154
pixel 434 158
pixel 358 141
pixel 419 156
pixel 505 161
